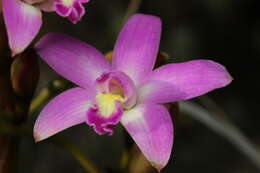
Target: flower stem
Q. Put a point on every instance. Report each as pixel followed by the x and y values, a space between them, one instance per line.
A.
pixel 132 8
pixel 45 94
pixel 76 153
pixel 224 128
pixel 12 131
pixel 8 145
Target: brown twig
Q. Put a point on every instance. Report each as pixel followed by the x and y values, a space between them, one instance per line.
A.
pixel 8 145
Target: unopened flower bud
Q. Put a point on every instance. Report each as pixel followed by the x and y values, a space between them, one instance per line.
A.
pixel 25 73
pixel 6 91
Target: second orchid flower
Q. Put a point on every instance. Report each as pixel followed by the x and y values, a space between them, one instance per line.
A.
pixel 23 18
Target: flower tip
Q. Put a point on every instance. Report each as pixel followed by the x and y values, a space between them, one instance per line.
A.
pixel 144 15
pixel 158 167
pixel 219 70
pixel 229 79
pixel 37 137
pixel 151 18
pixel 15 50
pixel 74 21
pixel 13 54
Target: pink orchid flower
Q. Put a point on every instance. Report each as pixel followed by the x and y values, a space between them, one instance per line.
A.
pixel 129 91
pixel 23 18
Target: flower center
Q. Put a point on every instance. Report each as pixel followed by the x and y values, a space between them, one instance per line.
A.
pixel 107 103
pixel 67 2
pixel 115 93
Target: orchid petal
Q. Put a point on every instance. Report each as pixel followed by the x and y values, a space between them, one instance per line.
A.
pixel 23 22
pixel 151 128
pixel 72 59
pixel 137 46
pixel 181 81
pixel 65 110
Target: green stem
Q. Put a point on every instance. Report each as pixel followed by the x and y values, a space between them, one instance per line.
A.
pixel 9 130
pixel 76 153
pixel 224 128
pixel 45 94
pixel 39 100
pixel 132 8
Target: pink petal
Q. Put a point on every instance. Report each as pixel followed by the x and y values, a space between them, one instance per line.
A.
pixel 72 59
pixel 65 110
pixel 23 22
pixel 183 81
pixel 151 128
pixel 137 46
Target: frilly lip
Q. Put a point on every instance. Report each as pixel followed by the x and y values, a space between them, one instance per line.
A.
pixel 103 125
pixel 74 11
pixel 114 83
pixel 118 82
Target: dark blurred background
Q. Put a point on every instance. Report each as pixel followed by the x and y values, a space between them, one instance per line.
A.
pixel 227 31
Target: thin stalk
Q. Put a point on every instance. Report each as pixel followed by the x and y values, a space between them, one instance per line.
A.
pixel 132 8
pixel 77 154
pixel 224 128
pixel 5 143
pixel 54 87
pixel 39 100
pixel 8 145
